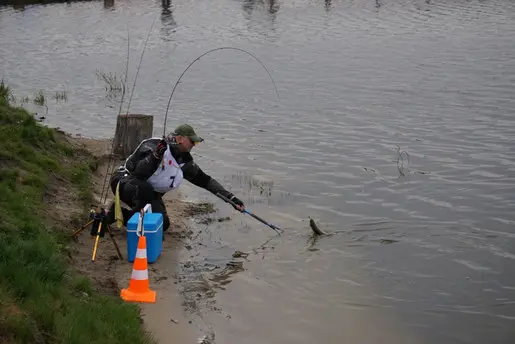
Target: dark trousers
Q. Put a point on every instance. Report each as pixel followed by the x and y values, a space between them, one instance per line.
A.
pixel 136 194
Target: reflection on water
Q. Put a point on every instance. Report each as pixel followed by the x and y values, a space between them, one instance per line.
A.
pixel 327 5
pixel 394 131
pixel 168 22
pixel 272 6
pixel 108 4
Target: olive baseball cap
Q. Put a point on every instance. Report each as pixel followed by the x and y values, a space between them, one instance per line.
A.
pixel 187 130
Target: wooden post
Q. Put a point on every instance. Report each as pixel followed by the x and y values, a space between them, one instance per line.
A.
pixel 131 129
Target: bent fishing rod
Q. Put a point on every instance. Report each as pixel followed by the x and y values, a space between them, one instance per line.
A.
pixel 277 229
pixel 197 59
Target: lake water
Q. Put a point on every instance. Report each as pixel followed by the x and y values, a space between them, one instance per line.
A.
pixel 422 249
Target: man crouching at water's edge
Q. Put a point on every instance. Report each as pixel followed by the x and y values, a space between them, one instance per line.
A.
pixel 158 166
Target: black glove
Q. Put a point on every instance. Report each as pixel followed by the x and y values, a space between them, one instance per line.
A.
pixel 236 201
pixel 160 149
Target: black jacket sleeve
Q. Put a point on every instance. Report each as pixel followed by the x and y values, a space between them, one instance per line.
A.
pixel 194 174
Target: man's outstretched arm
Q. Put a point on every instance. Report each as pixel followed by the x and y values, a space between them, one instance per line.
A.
pixel 194 174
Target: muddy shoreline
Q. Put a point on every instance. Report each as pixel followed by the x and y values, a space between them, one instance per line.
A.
pixel 176 313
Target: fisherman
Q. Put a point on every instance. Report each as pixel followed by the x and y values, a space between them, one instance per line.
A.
pixel 156 167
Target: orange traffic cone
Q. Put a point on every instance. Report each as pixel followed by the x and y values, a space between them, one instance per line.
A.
pixel 139 290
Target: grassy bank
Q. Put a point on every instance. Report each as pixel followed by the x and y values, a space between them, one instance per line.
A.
pixel 42 299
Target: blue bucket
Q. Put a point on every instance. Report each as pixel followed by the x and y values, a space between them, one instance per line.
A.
pixel 153 231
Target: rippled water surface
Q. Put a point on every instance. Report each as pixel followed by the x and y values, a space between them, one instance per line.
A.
pixel 394 129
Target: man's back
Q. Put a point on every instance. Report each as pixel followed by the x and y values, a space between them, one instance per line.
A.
pixel 145 148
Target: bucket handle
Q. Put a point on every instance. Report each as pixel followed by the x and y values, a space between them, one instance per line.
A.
pixel 141 229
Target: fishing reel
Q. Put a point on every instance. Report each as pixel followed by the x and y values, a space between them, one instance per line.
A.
pixel 99 216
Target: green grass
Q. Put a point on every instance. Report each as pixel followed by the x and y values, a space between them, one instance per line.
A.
pixel 42 299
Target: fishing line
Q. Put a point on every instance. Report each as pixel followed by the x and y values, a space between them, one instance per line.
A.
pixel 119 111
pixel 197 59
pixel 139 66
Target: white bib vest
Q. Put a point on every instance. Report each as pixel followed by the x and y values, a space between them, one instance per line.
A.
pixel 167 176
